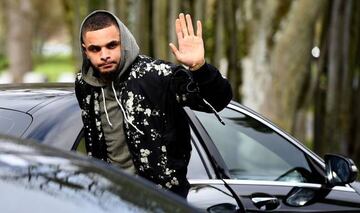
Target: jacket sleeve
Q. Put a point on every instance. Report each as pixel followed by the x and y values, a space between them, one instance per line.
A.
pixel 212 86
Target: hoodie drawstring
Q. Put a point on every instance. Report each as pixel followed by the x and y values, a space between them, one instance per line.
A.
pixel 123 111
pixel 127 119
pixel 106 113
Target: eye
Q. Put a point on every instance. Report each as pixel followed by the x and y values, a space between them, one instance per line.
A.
pixel 113 45
pixel 94 49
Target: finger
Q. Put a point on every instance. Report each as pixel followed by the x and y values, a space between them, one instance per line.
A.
pixel 175 50
pixel 189 25
pixel 178 29
pixel 180 37
pixel 183 25
pixel 199 29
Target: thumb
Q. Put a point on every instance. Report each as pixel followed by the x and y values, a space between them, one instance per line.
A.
pixel 175 50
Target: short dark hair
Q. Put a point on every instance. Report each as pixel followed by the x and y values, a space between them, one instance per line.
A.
pixel 97 21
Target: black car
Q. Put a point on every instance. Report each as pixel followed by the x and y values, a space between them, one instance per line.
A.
pixel 248 164
pixel 38 178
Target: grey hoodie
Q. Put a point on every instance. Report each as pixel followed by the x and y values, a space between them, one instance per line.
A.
pixel 129 52
pixel 111 111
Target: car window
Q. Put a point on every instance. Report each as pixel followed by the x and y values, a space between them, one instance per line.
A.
pixel 13 123
pixel 196 168
pixel 56 124
pixel 253 151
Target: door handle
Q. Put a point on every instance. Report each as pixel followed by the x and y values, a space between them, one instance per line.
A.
pixel 258 200
pixel 265 202
pixel 223 208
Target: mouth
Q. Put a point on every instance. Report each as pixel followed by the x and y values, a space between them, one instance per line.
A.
pixel 107 65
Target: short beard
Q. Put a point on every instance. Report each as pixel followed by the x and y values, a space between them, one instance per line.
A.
pixel 108 76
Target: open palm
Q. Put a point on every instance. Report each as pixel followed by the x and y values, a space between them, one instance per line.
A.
pixel 191 45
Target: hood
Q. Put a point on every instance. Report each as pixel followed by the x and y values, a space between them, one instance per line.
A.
pixel 129 52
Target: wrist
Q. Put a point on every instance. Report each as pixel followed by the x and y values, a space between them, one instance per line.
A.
pixel 197 66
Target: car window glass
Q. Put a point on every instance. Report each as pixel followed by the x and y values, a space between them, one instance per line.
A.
pixel 196 168
pixel 13 123
pixel 57 124
pixel 253 151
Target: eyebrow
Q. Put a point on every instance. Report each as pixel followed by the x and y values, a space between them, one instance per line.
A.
pixel 91 46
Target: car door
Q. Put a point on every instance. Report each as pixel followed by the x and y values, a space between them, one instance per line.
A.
pixel 265 168
pixel 208 191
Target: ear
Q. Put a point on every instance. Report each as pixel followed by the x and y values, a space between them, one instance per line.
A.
pixel 84 49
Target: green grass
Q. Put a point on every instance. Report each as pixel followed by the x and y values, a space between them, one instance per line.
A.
pixel 52 67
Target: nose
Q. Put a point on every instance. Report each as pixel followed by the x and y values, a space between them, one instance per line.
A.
pixel 104 55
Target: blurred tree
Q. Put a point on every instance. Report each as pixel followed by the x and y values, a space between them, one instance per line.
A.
pixel 141 9
pixel 3 60
pixel 199 10
pixel 338 76
pixel 281 53
pixel 336 109
pixel 97 5
pixel 186 6
pixel 290 65
pixel 73 13
pixel 111 6
pixel 232 48
pixel 122 11
pixel 354 65
pixel 160 29
pixel 174 10
pixel 219 23
pixel 262 21
pixel 2 30
pixel 19 37
pixel 51 26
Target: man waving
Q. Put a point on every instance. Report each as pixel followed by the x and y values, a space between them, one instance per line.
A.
pixel 132 105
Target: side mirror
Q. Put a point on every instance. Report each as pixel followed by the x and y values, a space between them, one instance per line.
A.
pixel 339 170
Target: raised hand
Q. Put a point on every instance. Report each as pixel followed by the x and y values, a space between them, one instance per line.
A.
pixel 191 45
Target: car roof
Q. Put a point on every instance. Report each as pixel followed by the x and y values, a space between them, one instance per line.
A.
pixel 33 173
pixel 24 97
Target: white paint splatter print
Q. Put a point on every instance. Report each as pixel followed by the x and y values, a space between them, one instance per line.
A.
pixel 147 112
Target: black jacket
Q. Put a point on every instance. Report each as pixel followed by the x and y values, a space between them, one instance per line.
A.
pixel 153 94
